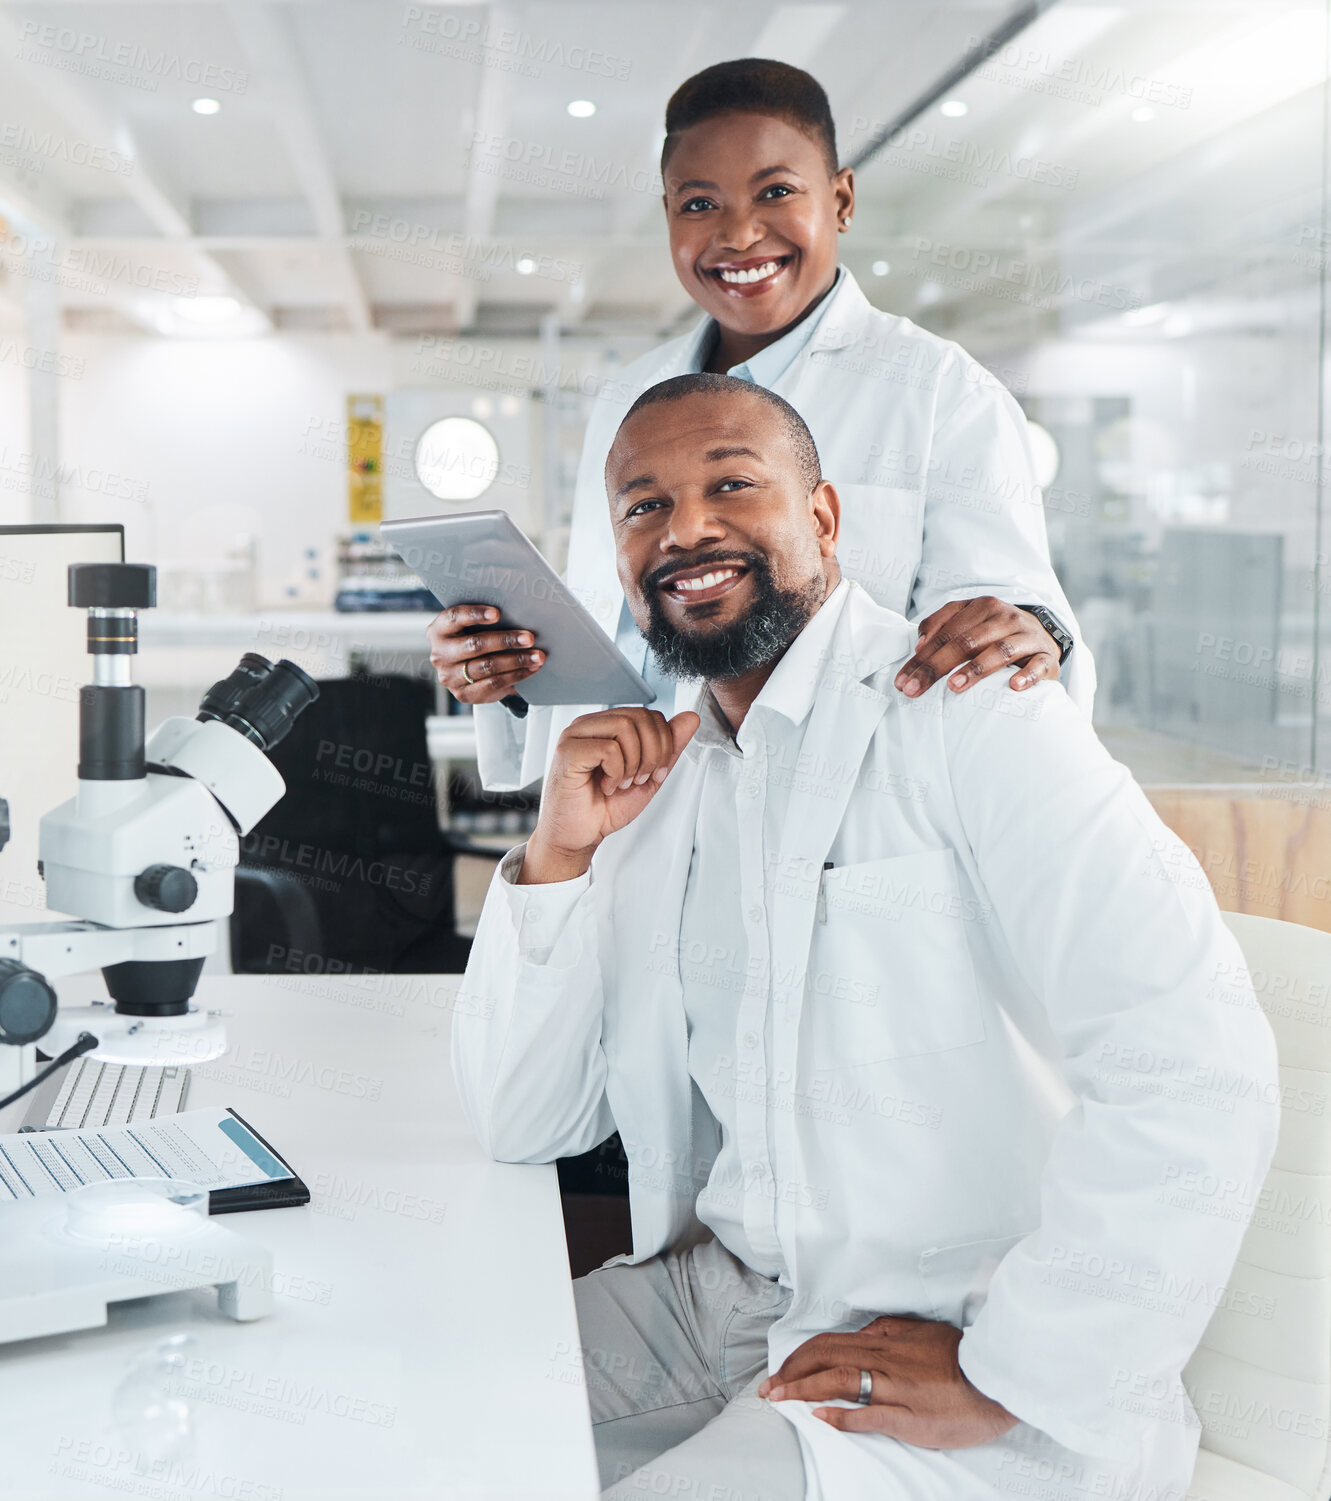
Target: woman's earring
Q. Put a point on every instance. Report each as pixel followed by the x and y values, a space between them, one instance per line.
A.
pixel 846 221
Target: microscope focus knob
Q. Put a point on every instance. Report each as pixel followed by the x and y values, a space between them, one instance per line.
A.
pixel 166 888
pixel 27 1003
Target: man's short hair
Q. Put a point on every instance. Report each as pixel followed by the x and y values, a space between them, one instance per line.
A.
pixel 680 386
pixel 753 86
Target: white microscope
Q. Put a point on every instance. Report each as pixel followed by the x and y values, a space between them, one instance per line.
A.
pixel 145 852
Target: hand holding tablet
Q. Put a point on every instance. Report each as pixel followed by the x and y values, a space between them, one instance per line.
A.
pixel 509 624
pixel 476 661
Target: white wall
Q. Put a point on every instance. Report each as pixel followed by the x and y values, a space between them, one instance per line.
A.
pixel 187 441
pixel 190 441
pixel 13 434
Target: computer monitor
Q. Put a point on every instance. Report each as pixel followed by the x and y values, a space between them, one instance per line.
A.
pixel 43 663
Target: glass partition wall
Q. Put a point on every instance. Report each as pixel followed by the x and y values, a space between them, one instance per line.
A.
pixel 1123 213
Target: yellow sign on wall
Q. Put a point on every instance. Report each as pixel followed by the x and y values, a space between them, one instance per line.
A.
pixel 365 459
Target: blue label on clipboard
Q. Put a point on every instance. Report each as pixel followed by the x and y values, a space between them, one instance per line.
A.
pixel 254 1149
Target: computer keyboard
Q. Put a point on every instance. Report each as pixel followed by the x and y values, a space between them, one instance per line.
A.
pixel 106 1094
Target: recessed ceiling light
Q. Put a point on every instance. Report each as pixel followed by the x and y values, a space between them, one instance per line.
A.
pixel 525 266
pixel 205 106
pixel 1143 113
pixel 954 108
pixel 207 309
pixel 881 268
pixel 580 109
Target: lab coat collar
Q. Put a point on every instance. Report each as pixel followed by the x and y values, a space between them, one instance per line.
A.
pixel 690 352
pixel 847 314
pixel 872 642
pixel 790 690
pixel 770 364
pixel 852 642
pixel 794 681
pixel 835 319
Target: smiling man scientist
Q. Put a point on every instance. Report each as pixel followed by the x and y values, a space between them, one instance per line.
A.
pixel 890 1001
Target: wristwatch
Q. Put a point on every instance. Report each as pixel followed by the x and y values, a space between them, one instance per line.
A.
pixel 1062 636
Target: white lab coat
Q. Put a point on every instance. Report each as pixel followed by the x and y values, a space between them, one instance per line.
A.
pixel 1065 1036
pixel 928 452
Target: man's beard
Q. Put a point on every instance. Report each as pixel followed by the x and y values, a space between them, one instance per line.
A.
pixel 757 637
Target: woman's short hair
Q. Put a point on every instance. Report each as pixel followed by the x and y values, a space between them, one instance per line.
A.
pixel 755 86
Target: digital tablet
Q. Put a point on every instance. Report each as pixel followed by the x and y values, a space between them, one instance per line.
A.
pixel 483 558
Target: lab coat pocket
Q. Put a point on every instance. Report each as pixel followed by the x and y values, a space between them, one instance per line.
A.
pixel 956 1278
pixel 890 969
pixel 880 540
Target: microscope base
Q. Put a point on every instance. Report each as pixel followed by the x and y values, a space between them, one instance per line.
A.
pixel 52 1283
pixel 196 1037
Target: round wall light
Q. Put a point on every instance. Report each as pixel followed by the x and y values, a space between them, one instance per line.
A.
pixel 456 458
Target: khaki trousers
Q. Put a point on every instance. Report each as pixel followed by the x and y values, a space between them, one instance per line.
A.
pixel 673 1350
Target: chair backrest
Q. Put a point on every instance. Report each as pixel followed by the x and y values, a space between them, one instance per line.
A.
pixel 357 768
pixel 358 829
pixel 1261 1377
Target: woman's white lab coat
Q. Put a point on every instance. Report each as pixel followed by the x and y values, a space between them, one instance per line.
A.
pixel 931 458
pixel 1021 1137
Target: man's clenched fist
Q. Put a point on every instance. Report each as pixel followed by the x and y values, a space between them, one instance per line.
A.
pixel 607 767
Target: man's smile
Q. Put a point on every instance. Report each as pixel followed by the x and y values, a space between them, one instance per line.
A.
pixel 696 585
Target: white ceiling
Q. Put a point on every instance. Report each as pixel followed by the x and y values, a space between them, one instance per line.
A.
pixel 382 164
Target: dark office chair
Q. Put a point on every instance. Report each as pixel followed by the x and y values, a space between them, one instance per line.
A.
pixel 350 872
pixel 594 1195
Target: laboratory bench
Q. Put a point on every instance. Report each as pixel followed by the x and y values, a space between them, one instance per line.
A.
pixel 422 1342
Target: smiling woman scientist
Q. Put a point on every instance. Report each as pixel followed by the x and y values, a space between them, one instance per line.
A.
pixel 942 521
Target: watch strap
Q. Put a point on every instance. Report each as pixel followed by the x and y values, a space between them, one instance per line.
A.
pixel 1063 637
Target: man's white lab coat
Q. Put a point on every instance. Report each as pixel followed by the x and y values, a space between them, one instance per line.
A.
pixel 1062 1039
pixel 931 458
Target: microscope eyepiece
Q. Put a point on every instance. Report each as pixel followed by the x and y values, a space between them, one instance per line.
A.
pixel 223 698
pixel 260 700
pixel 270 707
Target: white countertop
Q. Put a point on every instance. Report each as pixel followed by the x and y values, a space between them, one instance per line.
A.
pixel 423 1342
pixel 178 649
pixel 191 628
pixel 451 737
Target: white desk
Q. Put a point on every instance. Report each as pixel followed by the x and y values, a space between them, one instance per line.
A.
pixel 451 737
pixel 181 654
pixel 423 1342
